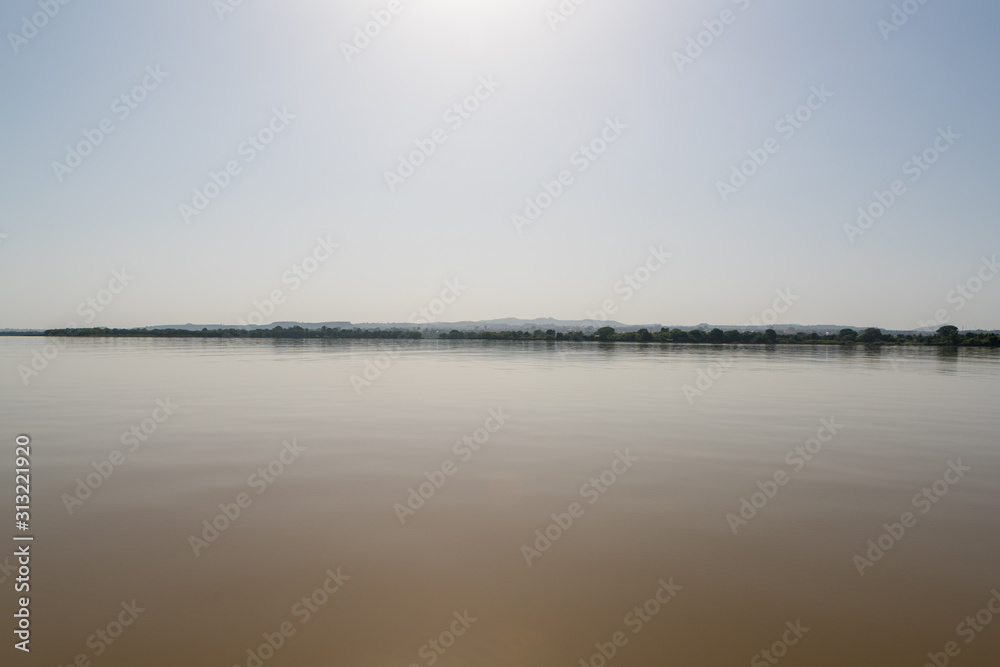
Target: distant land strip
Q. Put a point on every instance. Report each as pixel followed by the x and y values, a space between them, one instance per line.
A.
pixel 945 336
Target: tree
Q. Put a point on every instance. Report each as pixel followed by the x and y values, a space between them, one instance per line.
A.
pixel 871 335
pixel 716 335
pixel 949 335
pixel 848 334
pixel 644 335
pixel 604 334
pixel 770 336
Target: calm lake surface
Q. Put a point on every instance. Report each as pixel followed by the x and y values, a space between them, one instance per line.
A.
pixel 667 471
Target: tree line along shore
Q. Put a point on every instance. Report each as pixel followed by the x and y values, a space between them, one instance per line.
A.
pixel 944 336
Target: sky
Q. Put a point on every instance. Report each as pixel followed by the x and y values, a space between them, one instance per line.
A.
pixel 654 162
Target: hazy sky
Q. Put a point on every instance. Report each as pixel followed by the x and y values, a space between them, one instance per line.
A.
pixel 183 85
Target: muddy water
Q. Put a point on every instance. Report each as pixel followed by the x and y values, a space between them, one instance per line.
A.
pixel 461 503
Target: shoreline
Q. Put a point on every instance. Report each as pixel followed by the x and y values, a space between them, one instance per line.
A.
pixel 945 337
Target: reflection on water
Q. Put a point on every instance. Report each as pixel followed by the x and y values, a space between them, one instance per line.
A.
pixel 353 503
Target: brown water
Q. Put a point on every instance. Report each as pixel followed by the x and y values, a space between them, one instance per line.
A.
pixel 569 412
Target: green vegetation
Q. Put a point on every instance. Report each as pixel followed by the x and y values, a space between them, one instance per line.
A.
pixel 945 336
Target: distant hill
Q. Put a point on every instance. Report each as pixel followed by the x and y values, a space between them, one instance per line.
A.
pixel 212 327
pixel 502 324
